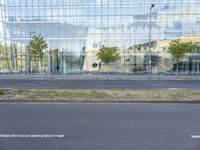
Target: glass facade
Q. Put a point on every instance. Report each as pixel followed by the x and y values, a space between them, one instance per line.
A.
pixel 76 29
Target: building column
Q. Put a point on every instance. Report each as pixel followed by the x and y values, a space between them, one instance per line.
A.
pixel 193 66
pixel 49 61
pixel 197 67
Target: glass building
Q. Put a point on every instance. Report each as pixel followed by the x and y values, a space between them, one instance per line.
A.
pixel 76 29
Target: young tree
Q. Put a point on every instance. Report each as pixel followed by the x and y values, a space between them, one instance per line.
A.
pixel 108 55
pixel 179 49
pixel 4 50
pixel 36 47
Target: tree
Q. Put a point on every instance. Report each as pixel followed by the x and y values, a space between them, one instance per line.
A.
pixel 4 51
pixel 36 47
pixel 108 55
pixel 179 49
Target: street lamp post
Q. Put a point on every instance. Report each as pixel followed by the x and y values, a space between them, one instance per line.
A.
pixel 31 34
pixel 150 28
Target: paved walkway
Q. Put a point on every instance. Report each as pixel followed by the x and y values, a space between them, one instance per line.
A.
pixel 99 77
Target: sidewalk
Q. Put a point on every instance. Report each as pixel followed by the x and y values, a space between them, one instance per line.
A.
pixel 96 77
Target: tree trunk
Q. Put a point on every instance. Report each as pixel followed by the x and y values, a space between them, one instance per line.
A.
pixel 35 66
pixel 177 67
pixel 41 63
pixel 107 65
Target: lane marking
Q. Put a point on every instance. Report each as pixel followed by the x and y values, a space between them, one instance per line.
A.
pixel 195 136
pixel 31 136
pixel 175 89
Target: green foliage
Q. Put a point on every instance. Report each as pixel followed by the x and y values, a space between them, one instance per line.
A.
pixel 179 49
pixel 36 46
pixel 57 56
pixel 5 51
pixel 108 54
pixel 2 92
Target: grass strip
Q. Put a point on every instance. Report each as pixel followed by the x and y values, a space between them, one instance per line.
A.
pixel 101 95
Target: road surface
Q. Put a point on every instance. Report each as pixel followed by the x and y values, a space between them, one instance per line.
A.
pixel 99 127
pixel 100 84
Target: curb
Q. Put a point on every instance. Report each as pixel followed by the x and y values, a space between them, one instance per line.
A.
pixel 98 78
pixel 96 102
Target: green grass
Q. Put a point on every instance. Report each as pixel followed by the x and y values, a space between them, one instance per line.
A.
pixel 21 90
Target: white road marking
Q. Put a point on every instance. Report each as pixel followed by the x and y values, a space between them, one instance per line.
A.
pixel 175 89
pixel 31 136
pixel 195 136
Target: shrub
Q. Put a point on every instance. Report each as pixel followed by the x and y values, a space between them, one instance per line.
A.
pixel 2 92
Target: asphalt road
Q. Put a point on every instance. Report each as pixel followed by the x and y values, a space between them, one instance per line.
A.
pixel 100 84
pixel 99 126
